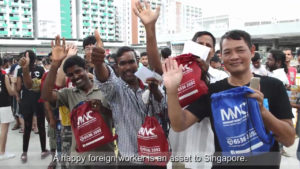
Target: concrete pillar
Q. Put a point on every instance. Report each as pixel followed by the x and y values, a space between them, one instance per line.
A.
pixel 275 44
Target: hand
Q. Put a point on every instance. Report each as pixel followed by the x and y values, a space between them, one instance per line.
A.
pixel 13 79
pixel 172 75
pixel 59 51
pixel 72 50
pixel 147 16
pixel 98 53
pixel 153 84
pixel 52 123
pixel 259 96
pixel 24 61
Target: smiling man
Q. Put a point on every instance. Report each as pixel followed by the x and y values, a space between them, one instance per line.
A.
pixel 124 96
pixel 236 51
pixel 74 68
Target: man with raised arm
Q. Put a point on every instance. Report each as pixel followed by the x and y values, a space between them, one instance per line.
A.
pixel 84 90
pixel 236 51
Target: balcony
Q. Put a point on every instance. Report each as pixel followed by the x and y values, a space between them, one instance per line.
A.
pixel 14 18
pixel 2 18
pixel 2 10
pixel 3 33
pixel 3 3
pixel 3 25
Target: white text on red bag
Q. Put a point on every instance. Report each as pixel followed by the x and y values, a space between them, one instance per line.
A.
pixel 191 86
pixel 89 128
pixel 152 143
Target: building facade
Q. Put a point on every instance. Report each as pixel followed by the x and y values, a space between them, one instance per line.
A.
pixel 16 18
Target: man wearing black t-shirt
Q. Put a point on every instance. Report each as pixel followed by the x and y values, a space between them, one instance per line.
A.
pixel 236 52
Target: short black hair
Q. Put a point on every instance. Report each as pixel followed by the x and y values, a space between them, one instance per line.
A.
pixel 166 52
pixel 215 58
pixel 124 49
pixel 278 55
pixel 256 57
pixel 237 35
pixel 46 61
pixel 90 40
pixel 143 54
pixel 73 60
pixel 201 33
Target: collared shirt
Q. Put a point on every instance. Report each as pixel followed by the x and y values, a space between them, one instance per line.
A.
pixel 70 97
pixel 128 109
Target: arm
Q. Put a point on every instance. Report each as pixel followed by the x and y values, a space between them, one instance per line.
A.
pixel 9 86
pixel 283 129
pixel 180 119
pixel 149 18
pixel 101 71
pixel 49 114
pixel 59 52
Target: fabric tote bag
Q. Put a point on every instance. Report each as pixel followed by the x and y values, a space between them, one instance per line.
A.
pixel 238 123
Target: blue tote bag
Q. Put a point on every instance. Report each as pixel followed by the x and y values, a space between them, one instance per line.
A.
pixel 238 123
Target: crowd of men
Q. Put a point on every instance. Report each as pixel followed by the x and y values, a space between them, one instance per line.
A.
pixel 51 88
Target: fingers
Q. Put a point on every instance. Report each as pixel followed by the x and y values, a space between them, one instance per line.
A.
pixel 139 6
pixel 52 44
pixel 57 40
pixel 157 11
pixel 98 39
pixel 163 65
pixel 147 4
pixel 135 10
pixel 64 43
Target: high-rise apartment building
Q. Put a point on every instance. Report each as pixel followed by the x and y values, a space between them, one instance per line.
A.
pixel 66 18
pixel 96 14
pixel 16 18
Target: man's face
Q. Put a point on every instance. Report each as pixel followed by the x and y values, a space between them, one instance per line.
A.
pixel 236 56
pixel 206 40
pixel 78 76
pixel 216 65
pixel 288 55
pixel 88 52
pixel 144 60
pixel 271 64
pixel 256 64
pixel 127 66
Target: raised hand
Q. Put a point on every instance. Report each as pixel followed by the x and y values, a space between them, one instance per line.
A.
pixel 98 53
pixel 146 15
pixel 72 50
pixel 172 75
pixel 24 61
pixel 59 51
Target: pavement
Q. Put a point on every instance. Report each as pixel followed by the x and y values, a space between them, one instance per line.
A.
pixel 14 145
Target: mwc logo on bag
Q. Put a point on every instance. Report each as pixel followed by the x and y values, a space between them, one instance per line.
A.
pixel 89 127
pixel 238 123
pixel 191 86
pixel 152 143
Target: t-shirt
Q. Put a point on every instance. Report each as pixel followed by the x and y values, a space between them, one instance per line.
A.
pixel 292 72
pixel 279 106
pixel 32 94
pixel 70 97
pixel 4 96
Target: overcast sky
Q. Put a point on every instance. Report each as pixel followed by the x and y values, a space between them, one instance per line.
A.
pixel 251 9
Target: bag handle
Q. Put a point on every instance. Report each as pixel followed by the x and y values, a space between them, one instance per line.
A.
pixel 259 129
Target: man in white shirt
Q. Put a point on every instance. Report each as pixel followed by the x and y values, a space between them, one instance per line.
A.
pixel 256 66
pixel 277 66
